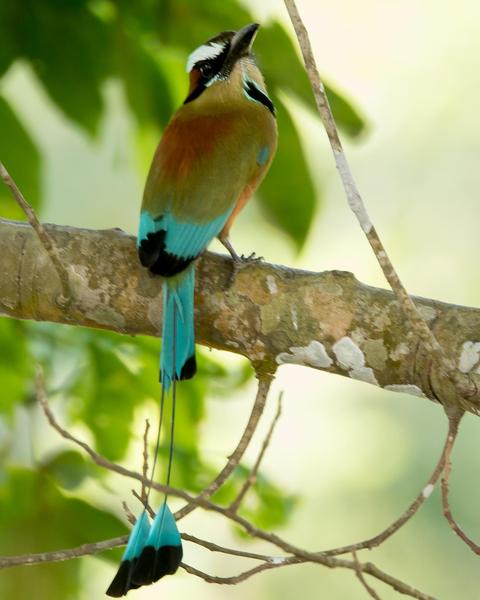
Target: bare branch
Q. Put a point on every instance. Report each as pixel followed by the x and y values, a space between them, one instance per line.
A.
pixel 145 504
pixel 45 239
pixel 369 568
pixel 236 579
pixel 235 505
pixel 464 384
pixel 128 513
pixel 359 573
pixel 408 514
pixel 7 562
pixel 264 383
pixel 232 552
pixel 144 494
pixel 447 511
pixel 393 582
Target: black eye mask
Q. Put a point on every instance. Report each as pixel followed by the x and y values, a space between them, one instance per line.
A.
pixel 211 67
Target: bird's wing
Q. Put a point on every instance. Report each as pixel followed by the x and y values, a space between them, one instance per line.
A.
pixel 199 171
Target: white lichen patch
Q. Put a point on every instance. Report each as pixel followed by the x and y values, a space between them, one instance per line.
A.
pixel 348 354
pixel 351 358
pixel 427 490
pixel 354 199
pixel 469 356
pixel 293 312
pixel 408 388
pixel 400 351
pixel 428 312
pixel 272 284
pixel 313 355
pixel 277 560
pixel 365 374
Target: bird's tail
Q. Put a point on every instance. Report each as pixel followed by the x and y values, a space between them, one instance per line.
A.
pixel 177 359
pixel 155 549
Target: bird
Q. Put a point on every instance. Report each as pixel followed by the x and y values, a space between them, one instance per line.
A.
pixel 212 156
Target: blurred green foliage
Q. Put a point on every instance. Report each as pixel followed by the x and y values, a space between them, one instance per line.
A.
pixel 102 380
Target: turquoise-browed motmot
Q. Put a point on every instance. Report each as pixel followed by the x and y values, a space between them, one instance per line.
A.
pixel 213 155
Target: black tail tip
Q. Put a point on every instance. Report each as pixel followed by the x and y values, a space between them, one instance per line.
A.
pixel 149 567
pixel 122 582
pixel 188 370
pixel 154 564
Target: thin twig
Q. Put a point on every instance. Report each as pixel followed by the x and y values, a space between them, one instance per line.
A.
pixel 404 517
pixel 145 504
pixel 144 494
pixel 359 573
pixel 128 513
pixel 45 239
pixel 447 511
pixel 235 505
pixel 230 551
pixel 236 579
pixel 7 562
pixel 264 383
pixel 369 568
pixel 464 384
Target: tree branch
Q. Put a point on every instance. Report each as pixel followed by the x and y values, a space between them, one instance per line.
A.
pixel 44 238
pixel 359 573
pixel 271 314
pixel 464 384
pixel 447 511
pixel 235 505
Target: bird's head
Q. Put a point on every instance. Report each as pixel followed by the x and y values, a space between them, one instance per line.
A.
pixel 223 69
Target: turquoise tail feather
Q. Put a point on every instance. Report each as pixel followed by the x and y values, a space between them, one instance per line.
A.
pixel 124 579
pixel 163 551
pixel 177 359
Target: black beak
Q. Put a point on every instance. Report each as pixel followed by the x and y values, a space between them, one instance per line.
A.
pixel 241 43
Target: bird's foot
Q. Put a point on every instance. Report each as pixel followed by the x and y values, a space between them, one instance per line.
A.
pixel 241 262
pixel 238 262
pixel 251 258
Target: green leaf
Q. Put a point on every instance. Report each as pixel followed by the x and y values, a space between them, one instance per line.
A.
pixel 188 23
pixel 69 50
pixel 15 364
pixel 21 159
pixel 287 195
pixel 7 42
pixel 36 517
pixel 68 468
pixel 147 87
pixel 268 506
pixel 108 390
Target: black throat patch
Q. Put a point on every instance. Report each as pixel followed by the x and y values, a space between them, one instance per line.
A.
pixel 254 93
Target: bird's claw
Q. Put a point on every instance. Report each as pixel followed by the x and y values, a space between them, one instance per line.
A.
pixel 241 262
pixel 251 258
